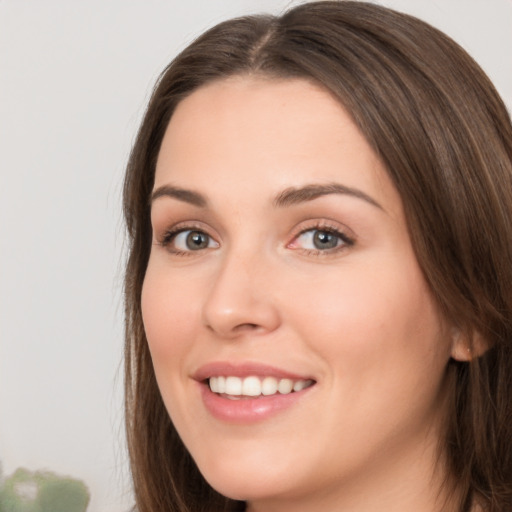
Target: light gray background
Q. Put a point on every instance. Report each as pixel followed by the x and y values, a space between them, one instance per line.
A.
pixel 74 80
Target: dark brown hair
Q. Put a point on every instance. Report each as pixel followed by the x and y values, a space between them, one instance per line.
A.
pixel 445 137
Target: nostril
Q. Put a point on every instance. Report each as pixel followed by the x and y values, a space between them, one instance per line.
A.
pixel 240 328
pixel 247 327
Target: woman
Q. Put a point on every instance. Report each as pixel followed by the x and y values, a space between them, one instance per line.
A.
pixel 318 292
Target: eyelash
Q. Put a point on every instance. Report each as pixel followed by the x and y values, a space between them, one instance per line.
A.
pixel 345 241
pixel 170 235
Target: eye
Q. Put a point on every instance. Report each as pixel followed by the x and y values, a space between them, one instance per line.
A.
pixel 187 240
pixel 321 240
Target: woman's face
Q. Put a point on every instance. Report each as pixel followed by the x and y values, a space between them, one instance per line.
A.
pixel 282 275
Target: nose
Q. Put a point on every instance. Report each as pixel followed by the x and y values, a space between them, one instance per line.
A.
pixel 241 300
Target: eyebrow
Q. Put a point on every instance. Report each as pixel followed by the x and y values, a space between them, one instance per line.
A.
pixel 292 195
pixel 288 197
pixel 182 194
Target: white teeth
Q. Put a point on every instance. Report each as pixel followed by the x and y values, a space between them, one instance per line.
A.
pixel 214 384
pixel 251 386
pixel 233 386
pixel 254 386
pixel 285 386
pixel 269 386
pixel 300 385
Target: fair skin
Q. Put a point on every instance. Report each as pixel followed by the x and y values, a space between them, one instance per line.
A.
pixel 249 278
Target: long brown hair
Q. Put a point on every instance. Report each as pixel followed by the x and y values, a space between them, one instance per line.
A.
pixel 445 137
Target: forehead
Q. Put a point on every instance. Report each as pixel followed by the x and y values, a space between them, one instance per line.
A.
pixel 280 114
pixel 278 133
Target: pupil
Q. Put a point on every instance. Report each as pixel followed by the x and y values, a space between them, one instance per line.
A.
pixel 325 240
pixel 197 240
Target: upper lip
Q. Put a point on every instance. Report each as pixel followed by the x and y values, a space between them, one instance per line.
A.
pixel 245 369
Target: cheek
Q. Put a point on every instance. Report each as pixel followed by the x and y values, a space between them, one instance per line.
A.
pixel 381 327
pixel 167 308
pixel 383 350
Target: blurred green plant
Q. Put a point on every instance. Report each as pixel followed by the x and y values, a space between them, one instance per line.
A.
pixel 42 491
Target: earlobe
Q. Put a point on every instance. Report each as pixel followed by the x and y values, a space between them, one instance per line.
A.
pixel 467 346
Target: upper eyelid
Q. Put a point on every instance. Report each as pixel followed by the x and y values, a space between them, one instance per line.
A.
pixel 166 235
pixel 346 239
pixel 331 229
pixel 324 224
pixel 176 227
pixel 301 227
pixel 168 238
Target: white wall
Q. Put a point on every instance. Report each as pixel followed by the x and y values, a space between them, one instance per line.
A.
pixel 74 79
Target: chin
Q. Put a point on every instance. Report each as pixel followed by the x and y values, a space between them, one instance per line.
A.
pixel 248 482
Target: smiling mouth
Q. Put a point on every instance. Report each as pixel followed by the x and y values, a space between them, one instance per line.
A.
pixel 236 388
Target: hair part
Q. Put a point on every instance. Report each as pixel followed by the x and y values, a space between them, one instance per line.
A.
pixel 445 138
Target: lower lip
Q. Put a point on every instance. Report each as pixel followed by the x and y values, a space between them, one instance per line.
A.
pixel 248 410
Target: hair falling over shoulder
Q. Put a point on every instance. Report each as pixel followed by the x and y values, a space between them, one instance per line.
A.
pixel 445 137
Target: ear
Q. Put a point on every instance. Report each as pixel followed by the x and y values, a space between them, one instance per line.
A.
pixel 467 345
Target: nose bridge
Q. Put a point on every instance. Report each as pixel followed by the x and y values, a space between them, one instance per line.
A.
pixel 240 298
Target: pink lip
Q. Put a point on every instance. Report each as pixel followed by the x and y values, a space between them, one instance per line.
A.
pixel 245 369
pixel 246 410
